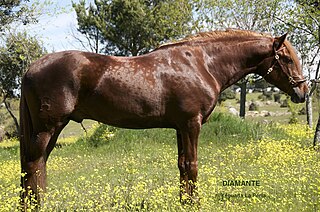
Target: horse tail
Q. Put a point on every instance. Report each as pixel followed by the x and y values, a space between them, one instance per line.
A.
pixel 25 133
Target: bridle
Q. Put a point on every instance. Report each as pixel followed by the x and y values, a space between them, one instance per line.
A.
pixel 294 80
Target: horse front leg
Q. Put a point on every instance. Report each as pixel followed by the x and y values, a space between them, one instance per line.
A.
pixel 188 160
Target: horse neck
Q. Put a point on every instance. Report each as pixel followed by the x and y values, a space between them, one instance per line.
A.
pixel 228 62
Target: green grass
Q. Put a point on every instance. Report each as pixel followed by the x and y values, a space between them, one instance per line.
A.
pixel 75 129
pixel 114 169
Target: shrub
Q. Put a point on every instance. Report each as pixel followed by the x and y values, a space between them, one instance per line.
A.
pixel 99 135
pixel 294 109
pixel 302 111
pixel 266 95
pixel 225 127
pixel 253 106
pixel 226 94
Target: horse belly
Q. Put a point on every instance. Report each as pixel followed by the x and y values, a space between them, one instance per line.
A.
pixel 127 109
pixel 127 118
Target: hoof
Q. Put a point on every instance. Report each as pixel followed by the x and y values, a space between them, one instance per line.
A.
pixel 190 200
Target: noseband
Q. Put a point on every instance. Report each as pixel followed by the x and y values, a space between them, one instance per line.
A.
pixel 294 80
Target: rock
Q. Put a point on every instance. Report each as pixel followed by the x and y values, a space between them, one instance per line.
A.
pixel 233 111
pixel 268 102
pixel 265 113
pixel 252 113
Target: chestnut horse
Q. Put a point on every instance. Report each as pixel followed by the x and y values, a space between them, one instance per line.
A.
pixel 175 86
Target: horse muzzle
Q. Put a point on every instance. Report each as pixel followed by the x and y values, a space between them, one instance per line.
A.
pixel 298 96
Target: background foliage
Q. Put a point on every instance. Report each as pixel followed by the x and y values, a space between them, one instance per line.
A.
pixel 132 27
pixel 15 57
pixel 16 10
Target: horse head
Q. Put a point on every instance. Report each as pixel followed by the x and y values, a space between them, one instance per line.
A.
pixel 285 71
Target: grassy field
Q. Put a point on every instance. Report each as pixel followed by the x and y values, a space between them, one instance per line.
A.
pixel 113 169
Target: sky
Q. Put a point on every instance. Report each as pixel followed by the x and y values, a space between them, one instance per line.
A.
pixel 55 30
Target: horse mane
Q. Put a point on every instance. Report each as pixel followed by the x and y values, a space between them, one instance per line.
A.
pixel 228 35
pixel 218 35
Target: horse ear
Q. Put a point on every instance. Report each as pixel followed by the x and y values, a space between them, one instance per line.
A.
pixel 279 41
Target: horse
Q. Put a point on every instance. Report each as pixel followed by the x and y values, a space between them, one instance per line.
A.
pixel 177 86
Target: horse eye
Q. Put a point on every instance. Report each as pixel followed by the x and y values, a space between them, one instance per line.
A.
pixel 289 60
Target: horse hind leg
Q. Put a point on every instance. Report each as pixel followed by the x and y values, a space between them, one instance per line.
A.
pixel 33 163
pixel 33 167
pixel 38 137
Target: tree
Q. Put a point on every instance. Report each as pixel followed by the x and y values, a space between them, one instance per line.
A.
pixel 133 27
pixel 15 57
pixel 248 15
pixel 87 27
pixel 303 20
pixel 17 50
pixel 15 10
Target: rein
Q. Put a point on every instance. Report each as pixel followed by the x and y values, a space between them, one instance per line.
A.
pixel 294 80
